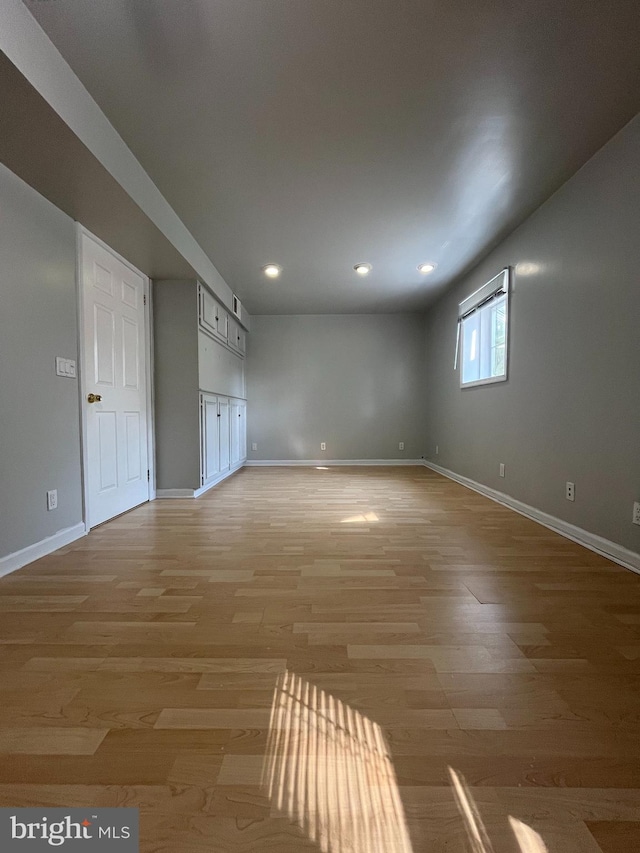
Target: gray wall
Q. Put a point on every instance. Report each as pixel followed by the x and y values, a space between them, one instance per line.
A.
pixel 186 361
pixel 354 381
pixel 39 416
pixel 175 329
pixel 570 409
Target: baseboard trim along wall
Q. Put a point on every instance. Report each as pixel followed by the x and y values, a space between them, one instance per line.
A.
pixel 27 555
pixel 602 546
pixel 166 494
pixel 326 463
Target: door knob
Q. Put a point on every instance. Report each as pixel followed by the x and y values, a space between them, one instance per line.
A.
pixel 94 398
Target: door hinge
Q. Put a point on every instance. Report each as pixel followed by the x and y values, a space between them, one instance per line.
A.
pixel 144 299
pixel 148 475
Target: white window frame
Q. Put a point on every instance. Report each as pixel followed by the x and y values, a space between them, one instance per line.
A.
pixel 496 288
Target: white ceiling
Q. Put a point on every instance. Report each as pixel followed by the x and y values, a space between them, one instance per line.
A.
pixel 320 133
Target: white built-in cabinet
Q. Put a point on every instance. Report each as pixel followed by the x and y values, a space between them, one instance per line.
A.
pixel 224 435
pixel 216 321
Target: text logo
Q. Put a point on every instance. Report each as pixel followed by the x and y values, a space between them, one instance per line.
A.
pixel 34 830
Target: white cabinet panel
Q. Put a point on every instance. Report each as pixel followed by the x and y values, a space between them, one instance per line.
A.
pixel 236 338
pixel 220 371
pixel 210 438
pixel 222 324
pixel 236 418
pixel 225 435
pixel 238 431
pixel 213 317
pixel 243 430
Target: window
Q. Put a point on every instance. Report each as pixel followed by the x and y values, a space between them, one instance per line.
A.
pixel 482 329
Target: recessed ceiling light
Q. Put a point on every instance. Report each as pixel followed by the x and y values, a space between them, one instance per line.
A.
pixel 363 269
pixel 272 270
pixel 425 269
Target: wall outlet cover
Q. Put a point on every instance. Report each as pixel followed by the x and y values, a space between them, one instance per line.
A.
pixel 401 445
pixel 52 499
pixel 636 512
pixel 323 445
pixel 570 492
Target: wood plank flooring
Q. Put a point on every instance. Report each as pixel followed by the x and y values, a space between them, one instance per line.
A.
pixel 351 659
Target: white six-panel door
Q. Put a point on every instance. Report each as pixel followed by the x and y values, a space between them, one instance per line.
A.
pixel 114 370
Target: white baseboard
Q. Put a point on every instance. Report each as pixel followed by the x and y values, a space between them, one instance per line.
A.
pixel 604 547
pixel 326 463
pixel 21 558
pixel 162 494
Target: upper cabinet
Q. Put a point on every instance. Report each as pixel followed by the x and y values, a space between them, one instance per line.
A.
pixel 215 321
pixel 236 337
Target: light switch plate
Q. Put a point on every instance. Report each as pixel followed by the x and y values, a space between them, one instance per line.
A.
pixel 65 367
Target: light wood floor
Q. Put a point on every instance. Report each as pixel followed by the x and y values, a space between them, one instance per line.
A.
pixel 363 660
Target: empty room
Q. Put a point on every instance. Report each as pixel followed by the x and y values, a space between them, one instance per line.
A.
pixel 320 426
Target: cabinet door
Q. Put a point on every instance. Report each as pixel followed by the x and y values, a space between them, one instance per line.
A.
pixel 209 431
pixel 213 318
pixel 236 337
pixel 241 340
pixel 243 431
pixel 236 417
pixel 222 324
pixel 207 311
pixel 225 434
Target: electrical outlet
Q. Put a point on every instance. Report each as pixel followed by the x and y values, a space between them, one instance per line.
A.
pixel 570 493
pixel 254 445
pixel 502 469
pixel 636 512
pixel 323 445
pixel 401 445
pixel 437 450
pixel 52 499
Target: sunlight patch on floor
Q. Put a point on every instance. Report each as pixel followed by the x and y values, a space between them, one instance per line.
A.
pixel 366 516
pixel 328 768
